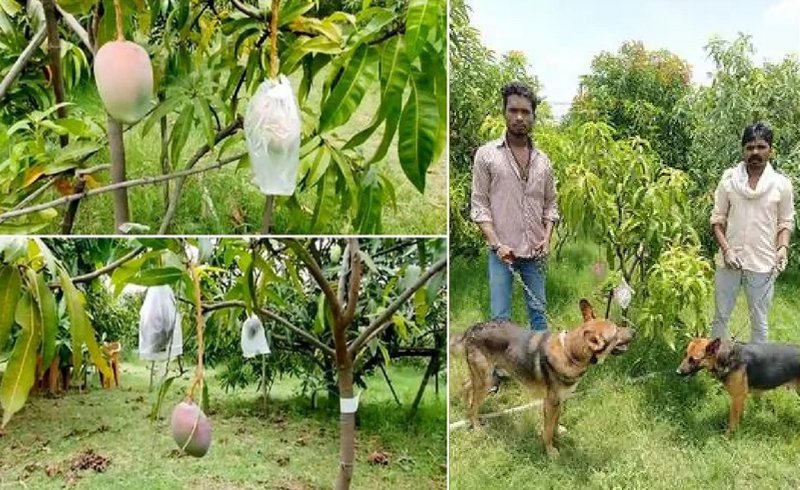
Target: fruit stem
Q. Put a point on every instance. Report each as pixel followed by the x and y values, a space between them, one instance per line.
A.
pixel 198 376
pixel 273 39
pixel 118 12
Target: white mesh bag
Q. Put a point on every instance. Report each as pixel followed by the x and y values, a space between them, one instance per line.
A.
pixel 254 341
pixel 159 323
pixel 272 131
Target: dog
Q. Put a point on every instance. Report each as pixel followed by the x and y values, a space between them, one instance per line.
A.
pixel 550 364
pixel 743 368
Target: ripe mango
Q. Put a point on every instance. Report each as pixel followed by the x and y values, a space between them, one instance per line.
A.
pixel 124 78
pixel 191 429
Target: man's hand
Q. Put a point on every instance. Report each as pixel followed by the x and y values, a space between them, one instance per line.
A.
pixel 781 258
pixel 505 253
pixel 542 249
pixel 732 260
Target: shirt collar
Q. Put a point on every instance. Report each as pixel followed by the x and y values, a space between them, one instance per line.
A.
pixel 501 142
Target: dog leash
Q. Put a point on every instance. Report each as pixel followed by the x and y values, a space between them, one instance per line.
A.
pixel 747 280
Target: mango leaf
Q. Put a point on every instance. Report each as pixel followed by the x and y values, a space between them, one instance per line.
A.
pixel 10 283
pixel 157 276
pixel 326 197
pixel 162 392
pixel 81 330
pixel 419 123
pixel 422 16
pixel 346 95
pixel 46 306
pixel 377 19
pixel 20 372
pixel 180 133
pixel 164 108
pixel 400 326
pixel 420 305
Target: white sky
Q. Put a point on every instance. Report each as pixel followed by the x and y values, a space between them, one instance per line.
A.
pixel 560 38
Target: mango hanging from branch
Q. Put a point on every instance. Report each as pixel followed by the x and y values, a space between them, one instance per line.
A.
pixel 191 429
pixel 124 77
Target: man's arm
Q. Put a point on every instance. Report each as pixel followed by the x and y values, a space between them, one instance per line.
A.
pixel 785 225
pixel 719 219
pixel 549 211
pixel 480 210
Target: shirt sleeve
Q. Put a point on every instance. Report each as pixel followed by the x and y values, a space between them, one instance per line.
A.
pixel 480 210
pixel 550 208
pixel 719 216
pixel 786 208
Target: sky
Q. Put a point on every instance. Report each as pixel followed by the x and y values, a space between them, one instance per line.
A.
pixel 561 37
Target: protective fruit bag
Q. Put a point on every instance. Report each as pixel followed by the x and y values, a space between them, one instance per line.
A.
pixel 272 131
pixel 254 341
pixel 159 325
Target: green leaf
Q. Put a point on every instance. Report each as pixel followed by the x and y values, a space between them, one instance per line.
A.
pixel 377 19
pixel 20 371
pixel 46 305
pixel 157 276
pixel 10 284
pixel 417 138
pixel 324 209
pixel 319 166
pixel 81 330
pixel 180 133
pixel 164 108
pixel 345 97
pixel 319 319
pixel 162 393
pixel 203 111
pixel 386 141
pixel 422 16
pixel 420 305
pixel 400 326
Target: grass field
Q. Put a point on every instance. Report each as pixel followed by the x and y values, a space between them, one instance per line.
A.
pixel 633 423
pixel 291 447
pixel 225 202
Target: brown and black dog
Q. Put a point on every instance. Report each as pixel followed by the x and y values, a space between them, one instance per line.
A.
pixel 743 368
pixel 550 364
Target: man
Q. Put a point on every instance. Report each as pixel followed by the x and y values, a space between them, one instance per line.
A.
pixel 514 204
pixel 752 219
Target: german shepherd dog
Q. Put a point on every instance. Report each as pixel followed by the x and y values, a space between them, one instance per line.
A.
pixel 743 368
pixel 550 364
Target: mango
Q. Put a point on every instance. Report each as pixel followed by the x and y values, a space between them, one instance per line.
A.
pixel 191 429
pixel 124 77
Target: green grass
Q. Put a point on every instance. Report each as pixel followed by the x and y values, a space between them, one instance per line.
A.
pixel 210 200
pixel 633 423
pixel 288 447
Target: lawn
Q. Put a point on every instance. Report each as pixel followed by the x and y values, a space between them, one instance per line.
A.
pixel 633 423
pixel 226 202
pixel 290 447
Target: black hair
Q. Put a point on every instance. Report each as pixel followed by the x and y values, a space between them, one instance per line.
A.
pixel 755 131
pixel 519 88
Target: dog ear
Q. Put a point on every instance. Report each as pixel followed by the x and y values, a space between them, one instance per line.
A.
pixel 713 347
pixel 586 310
pixel 595 342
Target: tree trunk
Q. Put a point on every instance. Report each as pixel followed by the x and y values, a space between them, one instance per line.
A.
pixel 117 148
pixel 54 48
pixel 347 428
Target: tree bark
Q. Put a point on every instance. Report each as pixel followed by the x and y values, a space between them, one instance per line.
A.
pixel 347 428
pixel 54 49
pixel 117 148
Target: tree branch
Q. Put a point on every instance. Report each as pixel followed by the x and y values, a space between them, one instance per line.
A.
pixel 103 270
pixel 76 27
pixel 316 272
pixel 355 281
pixel 209 307
pixel 23 60
pixel 172 208
pixel 382 321
pixel 248 10
pixel 129 183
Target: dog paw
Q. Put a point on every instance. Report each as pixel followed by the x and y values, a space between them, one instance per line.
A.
pixel 552 452
pixel 561 430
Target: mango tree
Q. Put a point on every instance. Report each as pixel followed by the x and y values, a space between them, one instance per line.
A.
pixel 208 59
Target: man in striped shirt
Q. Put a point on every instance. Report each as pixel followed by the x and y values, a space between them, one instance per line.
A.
pixel 514 204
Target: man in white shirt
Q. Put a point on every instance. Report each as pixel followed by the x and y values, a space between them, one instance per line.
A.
pixel 752 219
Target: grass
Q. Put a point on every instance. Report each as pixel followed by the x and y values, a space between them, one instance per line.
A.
pixel 625 429
pixel 225 202
pixel 289 447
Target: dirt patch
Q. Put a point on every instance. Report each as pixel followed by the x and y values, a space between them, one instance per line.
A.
pixel 89 460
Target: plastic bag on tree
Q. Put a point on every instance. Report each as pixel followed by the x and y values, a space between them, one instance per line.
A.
pixel 160 325
pixel 254 341
pixel 272 132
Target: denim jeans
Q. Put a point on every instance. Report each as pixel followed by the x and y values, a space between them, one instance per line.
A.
pixel 501 281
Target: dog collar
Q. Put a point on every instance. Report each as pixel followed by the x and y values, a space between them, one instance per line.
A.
pixel 561 337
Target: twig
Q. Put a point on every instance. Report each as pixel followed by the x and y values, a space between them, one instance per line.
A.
pixel 172 208
pixel 521 408
pixel 129 183
pixel 54 50
pixel 103 270
pixel 381 322
pixel 248 10
pixel 316 272
pixel 23 60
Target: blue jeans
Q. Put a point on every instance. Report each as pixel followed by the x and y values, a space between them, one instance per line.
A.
pixel 501 281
